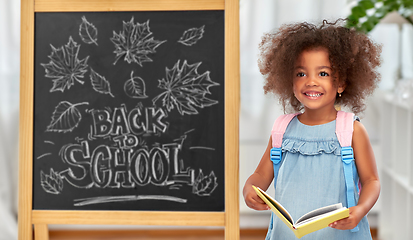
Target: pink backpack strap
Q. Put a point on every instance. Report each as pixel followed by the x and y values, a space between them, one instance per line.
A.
pixel 278 130
pixel 279 127
pixel 344 128
pixel 344 132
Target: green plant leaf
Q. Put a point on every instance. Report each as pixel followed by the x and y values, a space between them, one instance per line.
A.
pixel 373 20
pixel 367 26
pixel 408 3
pixel 352 21
pixel 389 2
pixel 358 12
pixel 393 5
pixel 366 4
pixel 403 7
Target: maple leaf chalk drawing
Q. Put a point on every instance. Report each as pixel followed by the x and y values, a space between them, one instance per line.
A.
pixel 135 87
pixel 65 117
pixel 191 36
pixel 88 32
pixel 51 183
pixel 65 67
pixel 204 185
pixel 99 83
pixel 134 42
pixel 185 89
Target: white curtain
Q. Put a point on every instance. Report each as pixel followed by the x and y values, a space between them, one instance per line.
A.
pixel 9 108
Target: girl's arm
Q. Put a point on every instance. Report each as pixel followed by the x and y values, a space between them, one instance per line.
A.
pixel 367 170
pixel 262 178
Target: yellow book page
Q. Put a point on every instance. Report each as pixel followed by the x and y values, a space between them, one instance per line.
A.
pixel 280 211
pixel 321 223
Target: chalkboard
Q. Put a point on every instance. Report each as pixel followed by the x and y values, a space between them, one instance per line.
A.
pixel 128 111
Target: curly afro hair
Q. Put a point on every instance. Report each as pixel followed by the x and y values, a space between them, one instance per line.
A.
pixel 354 58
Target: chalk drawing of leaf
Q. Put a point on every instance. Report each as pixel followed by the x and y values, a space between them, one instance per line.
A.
pixel 133 43
pixel 135 87
pixel 204 185
pixel 88 32
pixel 99 83
pixel 191 36
pixel 51 183
pixel 65 117
pixel 185 89
pixel 65 67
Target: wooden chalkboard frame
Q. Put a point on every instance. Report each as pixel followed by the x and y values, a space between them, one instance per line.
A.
pixel 229 219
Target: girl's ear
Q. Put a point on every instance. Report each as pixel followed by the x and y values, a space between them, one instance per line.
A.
pixel 341 88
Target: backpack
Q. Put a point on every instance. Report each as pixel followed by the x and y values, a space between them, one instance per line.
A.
pixel 344 132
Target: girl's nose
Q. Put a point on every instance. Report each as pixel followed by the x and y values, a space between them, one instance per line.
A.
pixel 311 81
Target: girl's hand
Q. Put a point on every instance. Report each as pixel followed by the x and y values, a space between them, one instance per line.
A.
pixel 253 201
pixel 351 222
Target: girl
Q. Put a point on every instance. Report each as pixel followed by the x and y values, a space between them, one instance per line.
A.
pixel 312 69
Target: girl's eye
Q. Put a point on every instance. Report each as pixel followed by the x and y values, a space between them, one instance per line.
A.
pixel 300 74
pixel 324 74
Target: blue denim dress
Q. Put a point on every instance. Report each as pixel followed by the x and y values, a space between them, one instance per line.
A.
pixel 311 176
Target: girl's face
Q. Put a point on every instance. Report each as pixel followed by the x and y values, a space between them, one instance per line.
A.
pixel 313 83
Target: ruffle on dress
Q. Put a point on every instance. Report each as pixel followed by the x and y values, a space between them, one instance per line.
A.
pixel 311 148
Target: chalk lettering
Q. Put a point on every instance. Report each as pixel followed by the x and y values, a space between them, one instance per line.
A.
pixel 67 153
pixel 125 166
pixel 137 122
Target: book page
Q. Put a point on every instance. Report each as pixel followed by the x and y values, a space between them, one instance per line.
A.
pixel 275 204
pixel 318 213
pixel 282 210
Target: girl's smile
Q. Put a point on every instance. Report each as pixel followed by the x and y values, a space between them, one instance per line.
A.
pixel 313 95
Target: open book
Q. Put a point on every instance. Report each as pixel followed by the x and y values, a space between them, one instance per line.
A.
pixel 309 222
